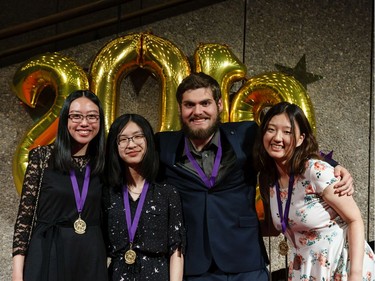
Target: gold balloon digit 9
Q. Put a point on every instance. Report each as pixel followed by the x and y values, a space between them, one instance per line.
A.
pixel 48 70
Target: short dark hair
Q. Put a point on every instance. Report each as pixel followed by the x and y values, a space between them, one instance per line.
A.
pixel 198 80
pixel 115 176
pixel 63 142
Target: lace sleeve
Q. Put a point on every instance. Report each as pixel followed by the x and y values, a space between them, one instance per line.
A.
pixel 28 201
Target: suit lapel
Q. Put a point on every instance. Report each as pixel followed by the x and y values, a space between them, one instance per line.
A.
pixel 231 134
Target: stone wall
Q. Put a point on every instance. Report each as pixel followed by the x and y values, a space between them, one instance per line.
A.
pixel 336 38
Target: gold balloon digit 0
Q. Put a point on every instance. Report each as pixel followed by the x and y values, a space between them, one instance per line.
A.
pixel 47 70
pixel 170 65
pixel 219 62
pixel 124 54
pixel 113 62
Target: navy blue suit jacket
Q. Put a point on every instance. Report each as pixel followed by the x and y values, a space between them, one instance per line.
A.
pixel 221 222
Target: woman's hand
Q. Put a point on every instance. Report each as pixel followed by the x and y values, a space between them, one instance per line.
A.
pixel 18 263
pixel 176 266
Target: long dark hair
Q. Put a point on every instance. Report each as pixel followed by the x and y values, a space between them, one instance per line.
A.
pixel 63 142
pixel 296 158
pixel 114 171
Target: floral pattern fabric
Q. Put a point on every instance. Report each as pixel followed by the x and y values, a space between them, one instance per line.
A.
pixel 317 234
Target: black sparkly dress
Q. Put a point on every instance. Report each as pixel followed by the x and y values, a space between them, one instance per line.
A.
pixel 159 234
pixel 55 252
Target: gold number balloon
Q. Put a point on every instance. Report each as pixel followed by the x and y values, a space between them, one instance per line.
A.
pixel 219 62
pixel 122 55
pixel 114 61
pixel 48 70
pixel 170 65
pixel 264 90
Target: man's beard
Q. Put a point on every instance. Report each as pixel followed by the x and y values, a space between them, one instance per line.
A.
pixel 200 133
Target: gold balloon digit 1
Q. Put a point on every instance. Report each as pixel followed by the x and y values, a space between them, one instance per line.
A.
pixel 264 90
pixel 47 70
pixel 219 62
pixel 165 60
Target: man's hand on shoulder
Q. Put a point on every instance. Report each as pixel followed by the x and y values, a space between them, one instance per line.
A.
pixel 346 184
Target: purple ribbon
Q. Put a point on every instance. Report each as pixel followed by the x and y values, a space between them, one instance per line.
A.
pixel 326 156
pixel 215 170
pixel 132 226
pixel 80 198
pixel 284 218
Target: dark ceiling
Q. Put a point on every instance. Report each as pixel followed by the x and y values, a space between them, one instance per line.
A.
pixel 45 26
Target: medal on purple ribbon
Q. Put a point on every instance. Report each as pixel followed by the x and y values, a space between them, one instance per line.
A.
pixel 283 244
pixel 283 247
pixel 79 224
pixel 130 255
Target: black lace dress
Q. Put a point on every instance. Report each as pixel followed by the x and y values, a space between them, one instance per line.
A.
pixel 55 252
pixel 160 232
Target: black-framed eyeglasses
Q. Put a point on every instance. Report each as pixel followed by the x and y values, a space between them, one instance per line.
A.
pixel 78 118
pixel 124 141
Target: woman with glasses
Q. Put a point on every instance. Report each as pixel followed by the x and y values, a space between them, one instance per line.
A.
pixel 144 221
pixel 58 228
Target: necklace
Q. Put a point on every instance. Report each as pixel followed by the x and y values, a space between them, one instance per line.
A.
pixel 134 191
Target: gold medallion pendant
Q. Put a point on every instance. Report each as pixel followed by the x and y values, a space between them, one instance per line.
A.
pixel 79 226
pixel 130 256
pixel 283 247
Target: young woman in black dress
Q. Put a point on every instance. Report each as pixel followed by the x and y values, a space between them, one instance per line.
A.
pixel 145 231
pixel 58 228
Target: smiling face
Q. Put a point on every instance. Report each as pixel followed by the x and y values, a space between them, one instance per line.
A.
pixel 200 115
pixel 279 140
pixel 132 145
pixel 83 131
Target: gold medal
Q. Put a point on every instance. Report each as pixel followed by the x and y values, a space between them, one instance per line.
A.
pixel 130 256
pixel 283 247
pixel 79 225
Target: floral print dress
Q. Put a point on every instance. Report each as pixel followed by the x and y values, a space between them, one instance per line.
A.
pixel 315 232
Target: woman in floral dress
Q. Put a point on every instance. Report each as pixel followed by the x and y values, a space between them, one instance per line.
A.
pixel 324 230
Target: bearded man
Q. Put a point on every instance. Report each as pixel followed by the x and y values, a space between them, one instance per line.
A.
pixel 210 163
